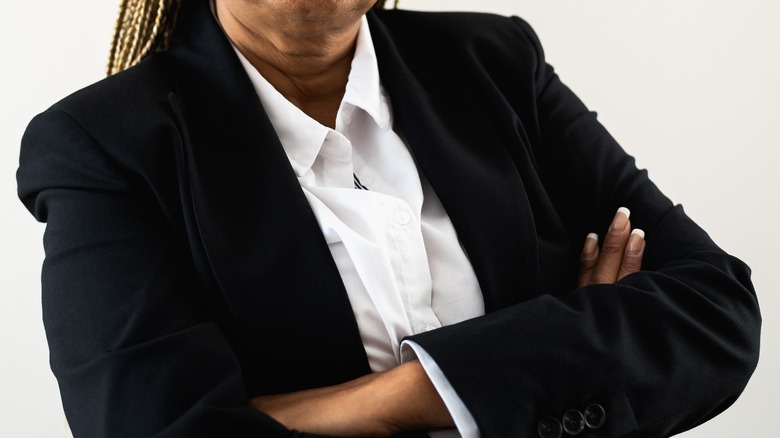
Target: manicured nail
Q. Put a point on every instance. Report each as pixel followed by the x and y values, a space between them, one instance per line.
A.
pixel 636 242
pixel 591 245
pixel 621 219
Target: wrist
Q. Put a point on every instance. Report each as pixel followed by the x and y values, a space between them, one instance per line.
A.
pixel 407 400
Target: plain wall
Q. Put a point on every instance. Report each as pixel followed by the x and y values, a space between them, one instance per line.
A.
pixel 689 88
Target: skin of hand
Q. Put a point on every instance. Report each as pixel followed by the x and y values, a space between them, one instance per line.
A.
pixel 620 254
pixel 376 405
pixel 383 404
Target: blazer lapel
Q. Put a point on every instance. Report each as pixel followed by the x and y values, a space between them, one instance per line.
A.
pixel 260 239
pixel 469 167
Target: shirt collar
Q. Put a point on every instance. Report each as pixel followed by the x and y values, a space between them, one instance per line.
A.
pixel 301 136
pixel 364 88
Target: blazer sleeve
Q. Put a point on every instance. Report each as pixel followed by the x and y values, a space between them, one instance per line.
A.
pixel 661 351
pixel 133 347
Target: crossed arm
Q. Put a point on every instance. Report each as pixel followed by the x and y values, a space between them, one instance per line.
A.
pixel 402 399
pixel 694 304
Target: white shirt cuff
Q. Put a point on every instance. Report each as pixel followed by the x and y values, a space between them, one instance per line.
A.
pixel 464 422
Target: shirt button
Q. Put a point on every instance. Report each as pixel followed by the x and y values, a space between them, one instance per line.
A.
pixel 595 416
pixel 550 428
pixel 573 422
pixel 403 217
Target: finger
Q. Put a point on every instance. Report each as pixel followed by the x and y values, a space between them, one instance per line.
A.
pixel 632 257
pixel 588 259
pixel 611 255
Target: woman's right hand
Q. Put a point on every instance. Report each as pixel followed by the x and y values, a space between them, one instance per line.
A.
pixel 620 254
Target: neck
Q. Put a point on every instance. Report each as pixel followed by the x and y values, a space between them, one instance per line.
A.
pixel 306 59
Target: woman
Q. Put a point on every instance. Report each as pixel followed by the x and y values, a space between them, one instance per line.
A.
pixel 319 217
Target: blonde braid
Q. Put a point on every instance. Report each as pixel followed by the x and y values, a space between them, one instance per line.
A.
pixel 143 27
pixel 146 26
pixel 138 24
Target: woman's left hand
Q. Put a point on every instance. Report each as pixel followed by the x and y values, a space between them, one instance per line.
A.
pixel 620 255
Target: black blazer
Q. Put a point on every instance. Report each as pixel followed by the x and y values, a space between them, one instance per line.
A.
pixel 185 271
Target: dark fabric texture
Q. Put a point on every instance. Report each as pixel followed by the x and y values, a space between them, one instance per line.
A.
pixel 185 271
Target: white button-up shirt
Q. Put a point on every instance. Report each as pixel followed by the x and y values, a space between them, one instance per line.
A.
pixel 398 254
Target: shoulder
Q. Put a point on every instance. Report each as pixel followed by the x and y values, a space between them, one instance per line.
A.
pixel 448 32
pixel 127 98
pixel 119 113
pixel 445 50
pixel 103 136
pixel 452 23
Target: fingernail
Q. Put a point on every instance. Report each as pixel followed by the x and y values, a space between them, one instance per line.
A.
pixel 591 245
pixel 636 242
pixel 621 219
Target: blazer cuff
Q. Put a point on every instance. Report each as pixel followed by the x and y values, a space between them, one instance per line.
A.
pixel 464 421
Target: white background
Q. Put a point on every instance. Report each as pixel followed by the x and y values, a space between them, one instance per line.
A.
pixel 690 88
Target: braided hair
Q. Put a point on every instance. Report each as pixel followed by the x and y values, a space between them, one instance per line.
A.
pixel 145 27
